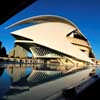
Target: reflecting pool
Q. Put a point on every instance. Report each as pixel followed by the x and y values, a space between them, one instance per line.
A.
pixel 16 78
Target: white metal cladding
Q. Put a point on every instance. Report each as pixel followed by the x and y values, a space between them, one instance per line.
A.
pixel 53 35
pixel 45 18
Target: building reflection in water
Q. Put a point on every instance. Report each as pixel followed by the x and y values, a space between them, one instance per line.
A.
pixel 24 77
pixel 16 72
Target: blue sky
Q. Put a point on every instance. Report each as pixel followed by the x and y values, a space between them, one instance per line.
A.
pixel 84 13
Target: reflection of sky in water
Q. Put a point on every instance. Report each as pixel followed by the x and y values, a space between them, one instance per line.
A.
pixel 28 70
pixel 6 77
pixel 16 79
pixel 98 71
pixel 20 79
pixel 5 82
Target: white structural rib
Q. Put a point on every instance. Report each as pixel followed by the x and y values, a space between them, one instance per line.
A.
pixel 45 18
pixel 53 35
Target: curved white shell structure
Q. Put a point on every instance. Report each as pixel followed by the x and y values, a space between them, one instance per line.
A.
pixel 51 32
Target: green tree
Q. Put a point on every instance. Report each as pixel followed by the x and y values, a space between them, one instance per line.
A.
pixel 0 44
pixel 0 48
pixel 2 51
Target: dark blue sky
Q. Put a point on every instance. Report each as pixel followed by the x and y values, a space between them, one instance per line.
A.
pixel 84 13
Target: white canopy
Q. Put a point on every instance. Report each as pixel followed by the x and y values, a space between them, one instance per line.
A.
pixel 53 35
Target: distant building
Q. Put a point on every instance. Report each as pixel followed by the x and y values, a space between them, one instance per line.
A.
pixel 53 38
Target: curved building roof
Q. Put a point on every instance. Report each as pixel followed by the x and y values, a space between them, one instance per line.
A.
pixel 46 18
pixel 50 31
pixel 43 18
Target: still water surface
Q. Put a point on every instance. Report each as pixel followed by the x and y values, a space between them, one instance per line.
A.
pixel 15 79
pixel 18 78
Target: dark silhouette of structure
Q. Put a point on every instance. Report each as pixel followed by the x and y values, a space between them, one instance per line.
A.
pixel 2 51
pixel 9 8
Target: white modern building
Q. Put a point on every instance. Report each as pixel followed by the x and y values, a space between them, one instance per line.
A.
pixel 54 38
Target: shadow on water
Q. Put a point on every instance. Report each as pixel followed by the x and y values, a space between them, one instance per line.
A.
pixel 15 91
pixel 1 71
